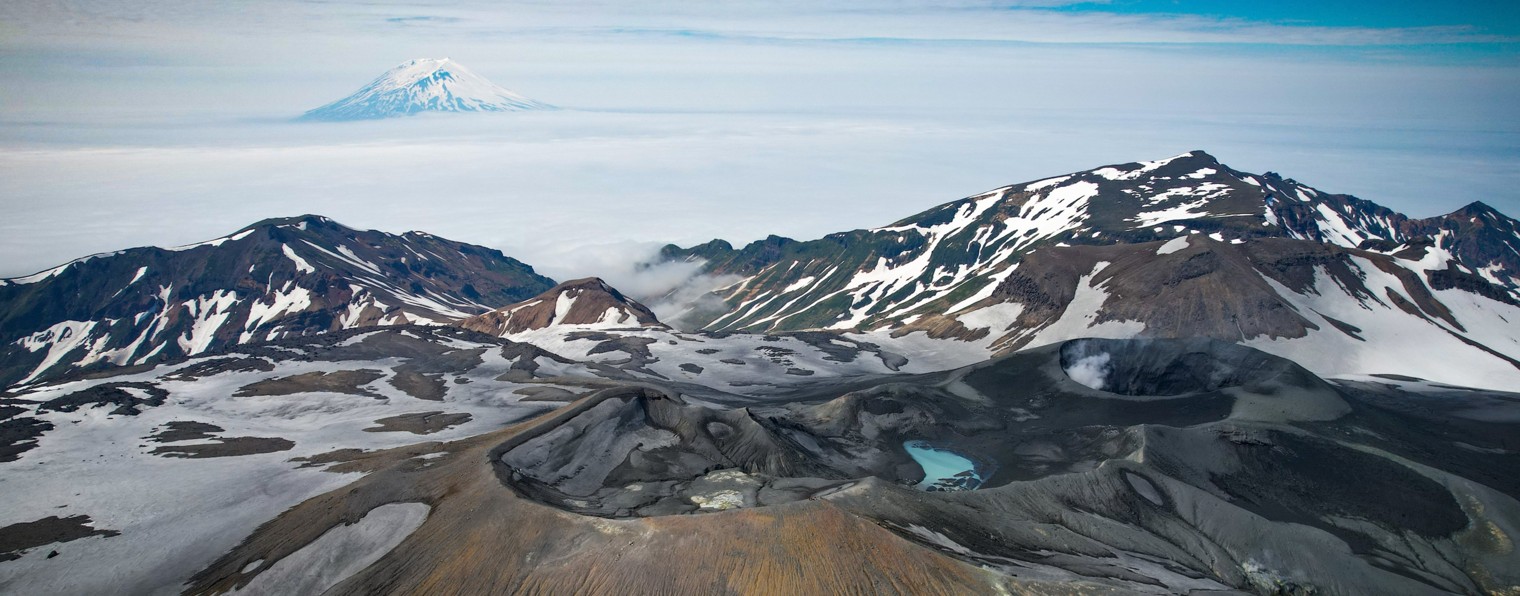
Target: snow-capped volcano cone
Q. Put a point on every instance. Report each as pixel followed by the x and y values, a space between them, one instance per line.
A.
pixel 425 85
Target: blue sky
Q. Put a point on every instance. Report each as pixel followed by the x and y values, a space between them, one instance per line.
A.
pixel 728 119
pixel 1497 17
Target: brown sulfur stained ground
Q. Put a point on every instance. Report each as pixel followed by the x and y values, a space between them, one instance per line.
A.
pixel 481 538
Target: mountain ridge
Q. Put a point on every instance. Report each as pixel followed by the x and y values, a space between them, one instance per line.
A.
pixel 1257 259
pixel 1250 206
pixel 276 278
pixel 1321 274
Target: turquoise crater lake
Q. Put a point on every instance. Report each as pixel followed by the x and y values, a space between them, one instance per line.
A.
pixel 944 470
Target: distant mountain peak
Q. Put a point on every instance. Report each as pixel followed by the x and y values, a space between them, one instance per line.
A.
pixel 279 278
pixel 424 85
pixel 1477 208
pixel 587 302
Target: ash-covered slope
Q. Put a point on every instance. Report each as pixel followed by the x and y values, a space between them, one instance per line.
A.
pixel 587 303
pixel 96 465
pixel 1271 261
pixel 276 278
pixel 1092 466
pixel 424 85
pixel 435 459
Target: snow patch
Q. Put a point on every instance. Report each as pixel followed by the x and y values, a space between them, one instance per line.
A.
pixel 1173 245
pixel 799 284
pixel 562 305
pixel 301 264
pixel 996 318
pixel 281 303
pixel 210 312
pixel 60 339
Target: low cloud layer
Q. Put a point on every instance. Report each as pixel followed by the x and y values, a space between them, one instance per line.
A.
pixel 167 122
pixel 674 290
pixel 523 182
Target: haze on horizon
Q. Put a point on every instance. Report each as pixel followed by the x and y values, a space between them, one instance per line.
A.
pixel 167 122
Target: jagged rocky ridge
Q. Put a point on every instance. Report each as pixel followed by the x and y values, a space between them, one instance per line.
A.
pixel 1086 254
pixel 940 257
pixel 276 278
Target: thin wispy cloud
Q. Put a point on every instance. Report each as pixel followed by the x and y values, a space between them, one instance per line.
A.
pixel 1022 22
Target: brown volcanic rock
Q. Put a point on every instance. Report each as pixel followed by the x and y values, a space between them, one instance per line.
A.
pixel 1208 289
pixel 587 301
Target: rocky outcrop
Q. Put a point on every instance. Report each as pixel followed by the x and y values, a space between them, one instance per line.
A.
pixel 587 302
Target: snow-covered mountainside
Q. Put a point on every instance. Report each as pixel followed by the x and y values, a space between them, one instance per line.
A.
pixel 1197 248
pixel 276 278
pixel 587 303
pixel 424 85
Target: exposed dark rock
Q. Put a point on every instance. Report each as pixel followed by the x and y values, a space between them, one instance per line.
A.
pixel 16 539
pixel 421 423
pixel 220 365
pixel 184 430
pixel 19 434
pixel 128 397
pixel 226 447
pixel 343 381
pixel 420 385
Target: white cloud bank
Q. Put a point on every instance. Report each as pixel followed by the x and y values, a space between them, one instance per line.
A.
pixel 132 123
